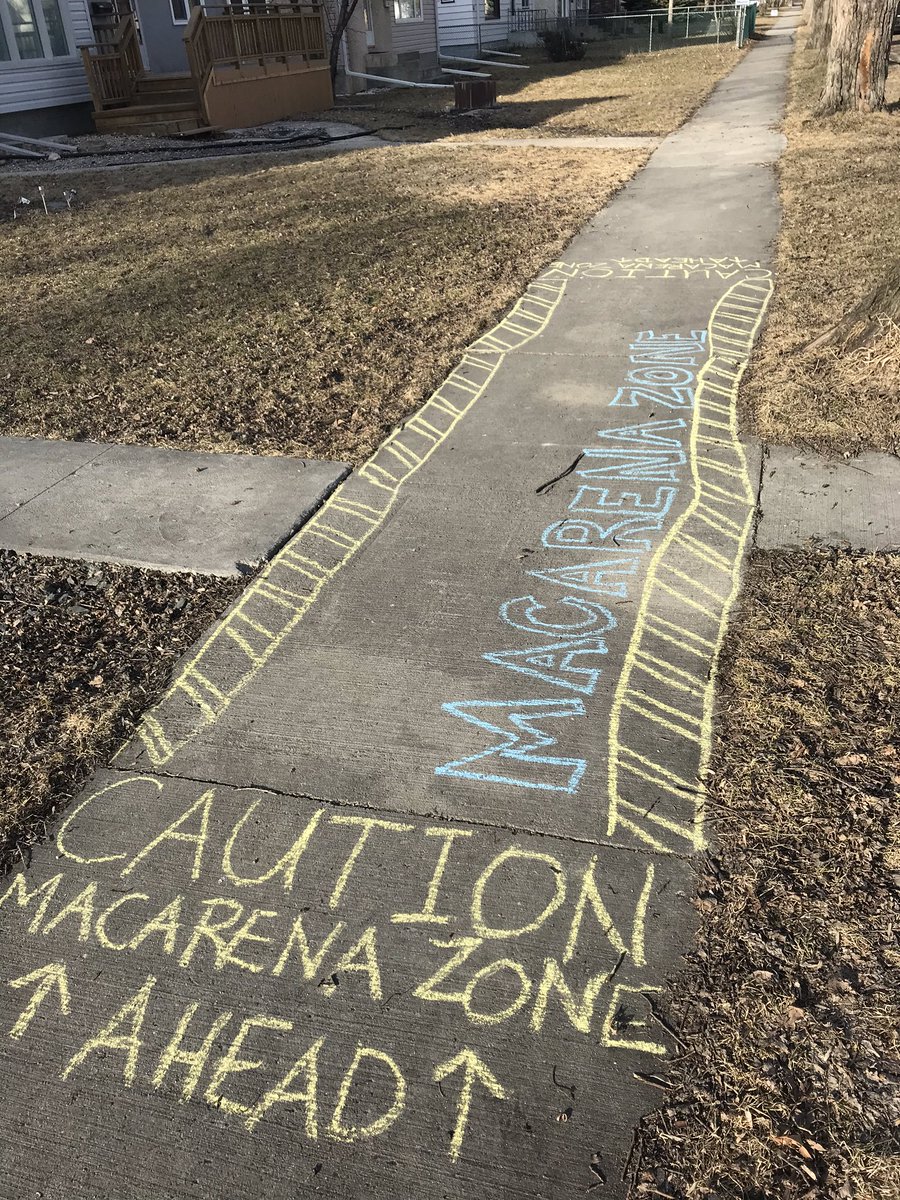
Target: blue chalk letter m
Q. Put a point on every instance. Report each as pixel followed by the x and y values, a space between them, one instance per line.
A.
pixel 517 757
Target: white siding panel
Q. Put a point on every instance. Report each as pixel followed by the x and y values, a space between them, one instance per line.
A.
pixel 49 82
pixel 416 35
pixel 462 23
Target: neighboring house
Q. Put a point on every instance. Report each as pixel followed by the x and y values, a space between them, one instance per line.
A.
pixel 172 67
pixel 43 89
pixel 243 62
pixel 393 38
pixel 464 26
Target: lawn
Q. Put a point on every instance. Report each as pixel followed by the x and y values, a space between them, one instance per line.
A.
pixel 787 1084
pixel 605 93
pixel 306 305
pixel 299 307
pixel 841 213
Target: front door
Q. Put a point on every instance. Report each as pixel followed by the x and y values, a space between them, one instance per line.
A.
pixel 105 17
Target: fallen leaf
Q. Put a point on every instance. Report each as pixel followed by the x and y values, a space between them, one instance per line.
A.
pixel 784 1140
pixel 850 760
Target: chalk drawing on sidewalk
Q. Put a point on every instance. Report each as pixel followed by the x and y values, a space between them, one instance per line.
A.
pixel 207 887
pixel 518 746
pixel 614 527
pixel 659 268
pixel 663 371
pixel 251 633
pixel 247 637
pixel 691 585
pixel 660 721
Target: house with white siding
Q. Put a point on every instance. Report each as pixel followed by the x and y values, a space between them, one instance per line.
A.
pixel 43 88
pixel 140 71
pixel 465 26
pixel 396 39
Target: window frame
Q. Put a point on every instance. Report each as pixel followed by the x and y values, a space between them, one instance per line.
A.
pixel 496 10
pixel 409 20
pixel 179 20
pixel 14 62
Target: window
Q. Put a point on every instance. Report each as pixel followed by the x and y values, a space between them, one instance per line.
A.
pixel 407 10
pixel 492 10
pixel 56 31
pixel 181 11
pixel 32 29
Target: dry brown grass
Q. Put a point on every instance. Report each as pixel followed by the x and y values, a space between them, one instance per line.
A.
pixel 601 95
pixel 841 213
pixel 301 308
pixel 85 649
pixel 788 1083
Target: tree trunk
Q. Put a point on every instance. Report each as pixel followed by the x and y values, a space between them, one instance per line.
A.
pixel 863 323
pixel 819 25
pixel 345 10
pixel 857 56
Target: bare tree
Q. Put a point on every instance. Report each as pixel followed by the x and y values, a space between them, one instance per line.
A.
pixel 818 24
pixel 858 51
pixel 338 16
pixel 865 320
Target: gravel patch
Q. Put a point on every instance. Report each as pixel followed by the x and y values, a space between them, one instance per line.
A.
pixel 93 152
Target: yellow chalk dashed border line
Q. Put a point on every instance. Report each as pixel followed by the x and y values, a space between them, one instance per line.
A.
pixel 723 346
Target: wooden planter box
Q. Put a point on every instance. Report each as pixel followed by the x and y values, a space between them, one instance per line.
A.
pixel 475 93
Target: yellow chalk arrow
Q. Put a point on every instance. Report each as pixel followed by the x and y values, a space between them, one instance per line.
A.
pixel 47 978
pixel 474 1069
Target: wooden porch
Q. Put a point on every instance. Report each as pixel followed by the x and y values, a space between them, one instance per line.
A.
pixel 248 63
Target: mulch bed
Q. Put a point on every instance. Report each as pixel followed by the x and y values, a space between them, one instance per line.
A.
pixel 787 1081
pixel 85 649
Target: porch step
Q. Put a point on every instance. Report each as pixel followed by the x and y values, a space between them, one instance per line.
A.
pixel 167 89
pixel 153 118
pixel 163 83
pixel 184 95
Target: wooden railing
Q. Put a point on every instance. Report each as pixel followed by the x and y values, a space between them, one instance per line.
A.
pixel 232 35
pixel 113 67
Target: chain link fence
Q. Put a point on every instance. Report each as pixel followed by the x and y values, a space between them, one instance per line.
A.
pixel 639 32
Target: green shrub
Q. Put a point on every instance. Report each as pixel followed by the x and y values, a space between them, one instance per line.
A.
pixel 562 45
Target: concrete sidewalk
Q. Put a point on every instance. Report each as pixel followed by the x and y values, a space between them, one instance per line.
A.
pixel 377 903
pixel 170 510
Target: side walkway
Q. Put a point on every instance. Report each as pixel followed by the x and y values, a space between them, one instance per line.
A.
pixel 377 902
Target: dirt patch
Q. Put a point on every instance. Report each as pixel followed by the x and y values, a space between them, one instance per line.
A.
pixel 85 649
pixel 841 211
pixel 602 94
pixel 300 308
pixel 788 1012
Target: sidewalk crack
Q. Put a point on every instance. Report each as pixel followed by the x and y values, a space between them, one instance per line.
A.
pixel 335 802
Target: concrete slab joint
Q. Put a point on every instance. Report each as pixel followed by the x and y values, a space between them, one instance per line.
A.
pixel 853 502
pixel 379 900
